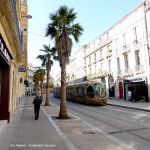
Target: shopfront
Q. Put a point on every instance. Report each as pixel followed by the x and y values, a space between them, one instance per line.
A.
pixel 111 87
pixel 139 85
pixel 5 59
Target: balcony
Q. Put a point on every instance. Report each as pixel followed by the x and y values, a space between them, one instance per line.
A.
pixel 138 69
pixel 125 49
pixel 94 62
pixel 101 58
pixel 89 64
pixel 102 73
pixel 128 72
pixel 119 72
pixel 106 41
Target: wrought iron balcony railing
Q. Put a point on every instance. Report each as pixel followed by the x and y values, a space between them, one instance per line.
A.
pixel 14 10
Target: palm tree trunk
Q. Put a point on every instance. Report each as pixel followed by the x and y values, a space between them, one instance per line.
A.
pixel 63 114
pixel 42 89
pixel 35 88
pixel 47 103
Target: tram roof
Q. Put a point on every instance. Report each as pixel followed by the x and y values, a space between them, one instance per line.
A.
pixel 83 83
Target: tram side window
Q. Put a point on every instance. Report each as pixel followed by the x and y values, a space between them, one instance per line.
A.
pixel 70 91
pixel 90 92
pixel 79 91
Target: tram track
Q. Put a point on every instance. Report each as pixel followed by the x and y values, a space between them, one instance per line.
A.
pixel 129 131
pixel 109 115
pixel 84 111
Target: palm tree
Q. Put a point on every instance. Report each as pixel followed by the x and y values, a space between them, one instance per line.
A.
pixel 37 78
pixel 61 29
pixel 47 61
pixel 41 73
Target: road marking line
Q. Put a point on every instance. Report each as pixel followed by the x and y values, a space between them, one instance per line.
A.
pixel 123 144
pixel 60 133
pixel 76 118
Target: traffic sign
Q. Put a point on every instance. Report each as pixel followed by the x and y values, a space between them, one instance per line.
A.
pixel 22 69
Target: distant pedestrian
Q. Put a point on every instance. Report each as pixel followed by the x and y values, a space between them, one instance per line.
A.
pixel 37 102
pixel 134 96
pixel 129 95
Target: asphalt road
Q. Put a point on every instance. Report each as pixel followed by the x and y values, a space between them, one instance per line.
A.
pixel 128 125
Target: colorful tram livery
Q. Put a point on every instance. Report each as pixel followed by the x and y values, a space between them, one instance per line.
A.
pixel 91 93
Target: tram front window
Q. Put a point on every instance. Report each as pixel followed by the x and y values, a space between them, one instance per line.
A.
pixel 90 92
pixel 98 89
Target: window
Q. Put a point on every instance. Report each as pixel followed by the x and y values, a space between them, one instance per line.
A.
pixel 89 59
pixel 90 70
pixel 90 92
pixel 126 63
pixel 118 65
pixel 135 34
pixel 124 40
pixel 109 65
pixel 79 91
pixel 101 53
pixel 116 45
pixel 95 68
pixel 85 72
pixel 101 66
pixel 95 57
pixel 108 48
pixel 137 59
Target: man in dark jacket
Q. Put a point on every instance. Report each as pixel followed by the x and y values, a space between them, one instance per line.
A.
pixel 37 102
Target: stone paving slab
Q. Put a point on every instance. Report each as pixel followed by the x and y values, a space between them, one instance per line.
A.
pixel 84 136
pixel 49 133
pixel 24 132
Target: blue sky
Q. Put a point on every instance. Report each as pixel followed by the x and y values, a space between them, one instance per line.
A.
pixel 96 16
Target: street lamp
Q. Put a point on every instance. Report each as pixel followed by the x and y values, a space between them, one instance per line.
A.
pixel 27 16
pixel 24 19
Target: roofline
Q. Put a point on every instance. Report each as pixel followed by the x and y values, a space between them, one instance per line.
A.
pixel 123 18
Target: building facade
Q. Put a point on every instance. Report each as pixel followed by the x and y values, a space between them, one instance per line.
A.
pixel 120 56
pixel 30 86
pixel 10 57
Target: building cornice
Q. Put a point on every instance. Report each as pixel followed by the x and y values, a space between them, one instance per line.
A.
pixel 11 28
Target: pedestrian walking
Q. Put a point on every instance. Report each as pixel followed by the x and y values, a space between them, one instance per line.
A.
pixel 134 96
pixel 37 102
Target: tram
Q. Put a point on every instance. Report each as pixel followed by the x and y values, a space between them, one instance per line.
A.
pixel 87 92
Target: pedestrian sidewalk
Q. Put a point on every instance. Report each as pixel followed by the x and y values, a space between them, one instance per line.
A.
pixel 49 133
pixel 24 132
pixel 141 105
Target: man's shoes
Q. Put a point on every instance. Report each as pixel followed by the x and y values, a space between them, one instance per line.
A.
pixel 36 117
